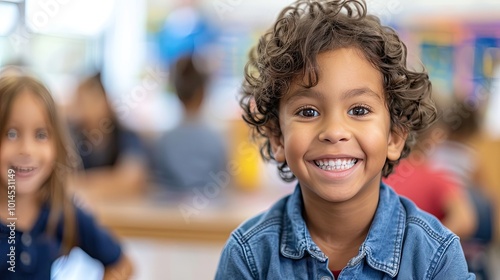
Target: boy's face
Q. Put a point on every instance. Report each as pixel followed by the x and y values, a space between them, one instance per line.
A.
pixel 336 136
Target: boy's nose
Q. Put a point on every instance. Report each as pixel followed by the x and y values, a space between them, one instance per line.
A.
pixel 334 131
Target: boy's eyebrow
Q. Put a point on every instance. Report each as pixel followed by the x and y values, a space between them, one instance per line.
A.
pixel 360 91
pixel 304 92
pixel 351 93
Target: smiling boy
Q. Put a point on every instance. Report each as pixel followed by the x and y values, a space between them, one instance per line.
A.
pixel 329 92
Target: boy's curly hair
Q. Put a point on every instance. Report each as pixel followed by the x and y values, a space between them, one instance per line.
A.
pixel 289 50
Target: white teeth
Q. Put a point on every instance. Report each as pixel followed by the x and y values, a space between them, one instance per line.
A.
pixel 336 164
pixel 23 169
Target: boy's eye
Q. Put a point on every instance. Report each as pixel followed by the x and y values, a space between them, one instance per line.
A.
pixel 308 113
pixel 359 111
pixel 11 134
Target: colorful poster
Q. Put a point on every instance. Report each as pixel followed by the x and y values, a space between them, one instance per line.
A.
pixel 438 59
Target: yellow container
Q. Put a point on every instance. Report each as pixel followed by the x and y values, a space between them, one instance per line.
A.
pixel 245 157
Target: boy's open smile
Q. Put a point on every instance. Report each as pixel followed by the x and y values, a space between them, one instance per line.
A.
pixel 336 164
pixel 336 167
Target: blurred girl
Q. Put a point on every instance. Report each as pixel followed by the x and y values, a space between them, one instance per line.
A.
pixel 33 148
pixel 113 156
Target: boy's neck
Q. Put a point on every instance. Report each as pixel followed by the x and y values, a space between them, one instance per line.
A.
pixel 340 228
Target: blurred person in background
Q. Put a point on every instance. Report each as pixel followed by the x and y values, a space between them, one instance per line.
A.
pixel 114 158
pixel 434 191
pixel 457 155
pixel 440 177
pixel 192 154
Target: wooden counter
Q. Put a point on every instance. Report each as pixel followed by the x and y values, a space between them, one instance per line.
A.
pixel 150 217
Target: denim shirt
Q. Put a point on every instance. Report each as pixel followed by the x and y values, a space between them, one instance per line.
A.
pixel 403 243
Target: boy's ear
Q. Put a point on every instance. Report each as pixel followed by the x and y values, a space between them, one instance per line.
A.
pixel 397 139
pixel 277 147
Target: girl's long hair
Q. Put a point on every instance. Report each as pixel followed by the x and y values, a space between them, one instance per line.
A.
pixel 53 192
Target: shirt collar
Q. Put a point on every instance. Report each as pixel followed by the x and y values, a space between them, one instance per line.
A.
pixel 295 238
pixel 382 246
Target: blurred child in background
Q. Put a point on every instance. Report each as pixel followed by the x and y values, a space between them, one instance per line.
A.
pixel 457 155
pixel 439 176
pixel 114 157
pixel 35 163
pixel 191 154
pixel 434 190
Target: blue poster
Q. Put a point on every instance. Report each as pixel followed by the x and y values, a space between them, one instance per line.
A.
pixel 438 59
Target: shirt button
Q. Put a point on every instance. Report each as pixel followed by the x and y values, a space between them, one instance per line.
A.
pixel 26 239
pixel 25 258
pixel 326 278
